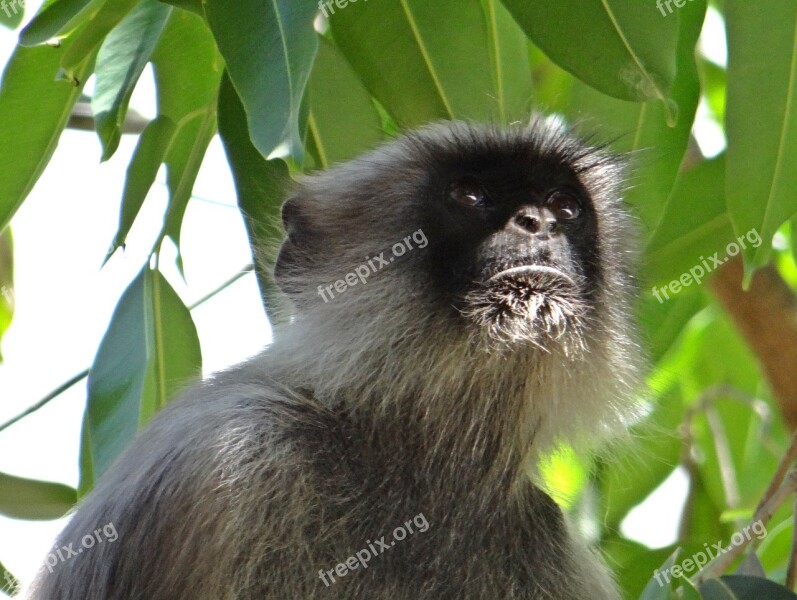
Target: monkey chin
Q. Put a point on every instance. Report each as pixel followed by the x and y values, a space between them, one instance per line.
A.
pixel 537 306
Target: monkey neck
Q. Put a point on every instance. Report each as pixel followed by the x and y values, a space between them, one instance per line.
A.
pixel 426 395
pixel 481 447
pixel 430 405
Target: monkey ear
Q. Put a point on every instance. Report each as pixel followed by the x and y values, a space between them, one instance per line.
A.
pixel 300 248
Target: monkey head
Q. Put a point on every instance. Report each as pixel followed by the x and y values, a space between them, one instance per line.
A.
pixel 520 236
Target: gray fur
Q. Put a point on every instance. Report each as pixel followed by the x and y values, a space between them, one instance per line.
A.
pixel 382 404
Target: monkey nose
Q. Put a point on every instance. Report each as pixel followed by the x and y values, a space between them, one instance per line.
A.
pixel 533 221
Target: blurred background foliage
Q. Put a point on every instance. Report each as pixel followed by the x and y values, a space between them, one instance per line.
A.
pixel 295 85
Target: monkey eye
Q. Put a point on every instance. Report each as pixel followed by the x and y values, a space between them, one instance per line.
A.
pixel 468 193
pixel 564 205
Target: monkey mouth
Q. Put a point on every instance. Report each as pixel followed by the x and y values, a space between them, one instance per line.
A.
pixel 529 302
pixel 539 273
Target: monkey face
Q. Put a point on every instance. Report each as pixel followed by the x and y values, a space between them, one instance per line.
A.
pixel 514 241
pixel 523 228
pixel 514 222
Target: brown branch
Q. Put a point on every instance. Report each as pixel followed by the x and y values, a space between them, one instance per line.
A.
pixel 783 483
pixel 767 508
pixel 766 315
pixel 780 474
pixel 792 572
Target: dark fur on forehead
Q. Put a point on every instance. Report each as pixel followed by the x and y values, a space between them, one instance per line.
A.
pixel 543 143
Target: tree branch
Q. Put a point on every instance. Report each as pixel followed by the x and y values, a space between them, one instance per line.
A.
pixel 766 315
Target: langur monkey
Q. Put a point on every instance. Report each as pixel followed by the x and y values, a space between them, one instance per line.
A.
pixel 462 302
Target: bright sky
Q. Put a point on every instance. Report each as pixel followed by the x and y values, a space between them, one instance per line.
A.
pixel 64 302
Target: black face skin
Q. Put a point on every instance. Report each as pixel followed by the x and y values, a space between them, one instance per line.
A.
pixel 493 209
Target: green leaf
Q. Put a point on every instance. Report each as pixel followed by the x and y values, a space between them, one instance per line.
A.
pixel 195 6
pixel 714 81
pixel 187 68
pixel 34 500
pixel 6 281
pixel 761 119
pixel 120 62
pixel 149 352
pixel 99 25
pixel 31 129
pixel 657 588
pixel 751 565
pixel 269 49
pixel 750 463
pixel 260 185
pixel 793 239
pixel 9 584
pixel 715 589
pixel 187 73
pixel 511 69
pixel 182 164
pixel 641 129
pixel 622 49
pixel 565 476
pixel 663 322
pixel 743 587
pixel 552 84
pixel 681 245
pixel 632 563
pixel 777 544
pixel 701 514
pixel 12 12
pixel 150 153
pixel 55 18
pixel 343 120
pixel 441 73
pixel 653 437
pixel 688 590
pixel 86 460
